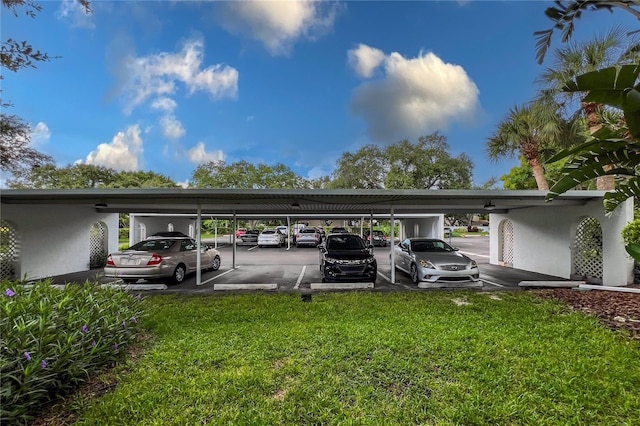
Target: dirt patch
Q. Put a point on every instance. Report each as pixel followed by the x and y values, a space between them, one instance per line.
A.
pixel 617 310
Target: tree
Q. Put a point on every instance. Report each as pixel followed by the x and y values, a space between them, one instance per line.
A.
pixel 613 145
pixel 427 164
pixel 579 58
pixel 15 153
pixel 364 169
pixel 565 13
pixel 140 179
pixel 521 177
pixel 529 130
pixel 243 175
pixel 88 176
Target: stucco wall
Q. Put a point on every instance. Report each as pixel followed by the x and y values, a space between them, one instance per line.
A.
pixel 55 239
pixel 431 227
pixel 155 224
pixel 543 239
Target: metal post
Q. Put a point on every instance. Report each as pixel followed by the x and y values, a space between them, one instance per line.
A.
pixel 288 232
pixel 233 240
pixel 199 246
pixel 393 240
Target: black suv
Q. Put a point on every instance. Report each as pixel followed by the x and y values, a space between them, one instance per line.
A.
pixel 347 257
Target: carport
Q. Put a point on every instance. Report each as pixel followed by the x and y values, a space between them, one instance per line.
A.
pixel 50 232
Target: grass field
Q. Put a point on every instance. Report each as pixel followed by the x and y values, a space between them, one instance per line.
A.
pixel 443 358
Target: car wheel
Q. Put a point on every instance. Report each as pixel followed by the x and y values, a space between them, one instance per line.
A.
pixel 216 263
pixel 414 274
pixel 179 274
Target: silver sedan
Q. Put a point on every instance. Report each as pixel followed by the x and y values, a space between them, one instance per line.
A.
pixel 432 260
pixel 173 257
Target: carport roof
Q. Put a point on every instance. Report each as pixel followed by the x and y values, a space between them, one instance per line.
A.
pixel 294 202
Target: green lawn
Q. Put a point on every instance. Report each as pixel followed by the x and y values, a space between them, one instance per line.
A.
pixel 440 358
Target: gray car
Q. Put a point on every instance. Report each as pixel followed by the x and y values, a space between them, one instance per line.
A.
pixel 432 260
pixel 172 257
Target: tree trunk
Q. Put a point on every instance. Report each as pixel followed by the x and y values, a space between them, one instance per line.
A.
pixel 538 174
pixel 592 111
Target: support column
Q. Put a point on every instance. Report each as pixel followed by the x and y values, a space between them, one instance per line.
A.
pixel 233 240
pixel 393 240
pixel 199 246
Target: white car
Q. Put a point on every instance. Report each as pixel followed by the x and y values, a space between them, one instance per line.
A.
pixel 271 237
pixel 431 260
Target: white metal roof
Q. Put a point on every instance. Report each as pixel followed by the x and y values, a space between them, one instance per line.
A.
pixel 292 202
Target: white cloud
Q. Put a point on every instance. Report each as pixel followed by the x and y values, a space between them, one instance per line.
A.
pixel 364 60
pixel 278 24
pixel 40 135
pixel 172 127
pixel 415 97
pixel 122 153
pixel 157 75
pixel 74 14
pixel 164 104
pixel 198 154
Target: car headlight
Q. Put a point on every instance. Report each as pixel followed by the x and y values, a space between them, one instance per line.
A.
pixel 474 264
pixel 427 264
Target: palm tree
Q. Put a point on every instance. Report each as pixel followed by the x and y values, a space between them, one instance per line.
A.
pixel 576 59
pixel 530 130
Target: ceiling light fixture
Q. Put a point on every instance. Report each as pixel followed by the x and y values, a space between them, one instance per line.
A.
pixel 489 205
pixel 295 205
pixel 100 206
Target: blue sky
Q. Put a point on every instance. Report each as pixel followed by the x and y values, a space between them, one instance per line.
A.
pixel 168 85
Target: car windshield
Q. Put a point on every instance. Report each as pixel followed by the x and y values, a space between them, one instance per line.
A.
pixel 347 242
pixel 422 246
pixel 268 232
pixel 153 245
pixel 307 231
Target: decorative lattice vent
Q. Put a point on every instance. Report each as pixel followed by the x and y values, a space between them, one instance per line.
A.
pixel 98 245
pixel 9 250
pixel 506 233
pixel 587 250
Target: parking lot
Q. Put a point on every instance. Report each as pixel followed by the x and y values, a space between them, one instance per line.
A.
pixel 297 269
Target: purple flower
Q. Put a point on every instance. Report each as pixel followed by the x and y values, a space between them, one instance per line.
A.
pixel 124 323
pixel 43 364
pixel 135 320
pixel 9 292
pixel 85 329
pixel 139 296
pixel 27 356
pixel 93 343
pixel 115 346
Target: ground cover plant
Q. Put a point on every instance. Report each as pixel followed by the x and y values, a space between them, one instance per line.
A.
pixel 375 358
pixel 53 339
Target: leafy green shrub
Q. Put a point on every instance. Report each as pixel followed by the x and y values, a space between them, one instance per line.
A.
pixel 53 339
pixel 123 233
pixel 631 232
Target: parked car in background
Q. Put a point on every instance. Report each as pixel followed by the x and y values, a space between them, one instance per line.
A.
pixel 162 234
pixel 251 236
pixel 161 257
pixel 308 237
pixel 270 238
pixel 339 229
pixel 379 239
pixel 321 231
pixel 296 230
pixel 345 256
pixel 431 260
pixel 240 231
pixel 283 230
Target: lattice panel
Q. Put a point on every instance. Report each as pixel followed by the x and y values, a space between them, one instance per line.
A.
pixel 506 232
pixel 98 245
pixel 587 252
pixel 9 250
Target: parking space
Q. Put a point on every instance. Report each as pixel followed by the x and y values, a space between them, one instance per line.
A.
pixel 297 268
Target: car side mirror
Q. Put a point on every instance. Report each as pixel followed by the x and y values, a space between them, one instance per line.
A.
pixel 455 248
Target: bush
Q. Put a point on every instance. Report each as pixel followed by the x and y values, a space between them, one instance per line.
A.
pixel 53 339
pixel 631 233
pixel 123 233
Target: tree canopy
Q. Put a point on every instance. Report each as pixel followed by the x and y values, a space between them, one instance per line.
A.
pixel 425 164
pixel 244 175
